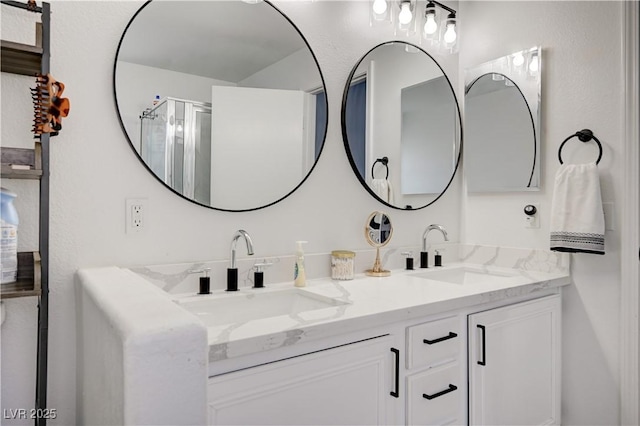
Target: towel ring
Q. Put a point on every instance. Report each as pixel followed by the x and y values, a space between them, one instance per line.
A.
pixel 385 162
pixel 585 136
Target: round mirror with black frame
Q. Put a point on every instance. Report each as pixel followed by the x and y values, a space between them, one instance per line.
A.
pixel 503 120
pixel 401 125
pixel 222 101
pixel 500 125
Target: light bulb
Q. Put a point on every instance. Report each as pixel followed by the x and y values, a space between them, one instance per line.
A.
pixel 518 59
pixel 405 15
pixel 431 26
pixel 534 64
pixel 379 7
pixel 450 35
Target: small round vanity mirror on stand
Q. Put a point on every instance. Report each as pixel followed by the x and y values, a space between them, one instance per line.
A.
pixel 378 231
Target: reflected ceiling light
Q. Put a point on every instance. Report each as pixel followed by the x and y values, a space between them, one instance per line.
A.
pixel 518 59
pixel 534 64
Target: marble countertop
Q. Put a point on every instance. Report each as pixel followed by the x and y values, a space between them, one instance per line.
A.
pixel 367 302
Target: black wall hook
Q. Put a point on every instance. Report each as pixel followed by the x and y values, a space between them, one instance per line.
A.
pixel 584 135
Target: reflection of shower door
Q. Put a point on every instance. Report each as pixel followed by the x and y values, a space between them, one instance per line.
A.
pixel 176 146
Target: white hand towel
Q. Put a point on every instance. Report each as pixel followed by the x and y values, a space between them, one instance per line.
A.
pixel 577 216
pixel 382 188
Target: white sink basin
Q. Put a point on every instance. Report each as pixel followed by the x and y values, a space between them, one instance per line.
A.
pixel 244 307
pixel 464 275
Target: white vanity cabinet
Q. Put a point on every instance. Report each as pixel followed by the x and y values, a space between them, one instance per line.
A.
pixel 435 375
pixel 346 385
pixel 488 364
pixel 514 364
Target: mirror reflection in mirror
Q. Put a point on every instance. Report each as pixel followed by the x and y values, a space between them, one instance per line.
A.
pixel 399 106
pixel 502 120
pixel 378 231
pixel 229 115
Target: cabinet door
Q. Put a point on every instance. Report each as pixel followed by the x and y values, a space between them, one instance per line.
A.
pixel 514 364
pixel 348 385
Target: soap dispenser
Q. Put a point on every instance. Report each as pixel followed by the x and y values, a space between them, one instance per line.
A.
pixel 299 276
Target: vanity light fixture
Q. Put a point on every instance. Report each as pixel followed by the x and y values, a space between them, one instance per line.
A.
pixel 405 17
pixel 379 12
pixel 446 39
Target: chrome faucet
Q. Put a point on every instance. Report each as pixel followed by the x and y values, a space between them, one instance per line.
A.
pixel 429 229
pixel 424 256
pixel 234 241
pixel 232 271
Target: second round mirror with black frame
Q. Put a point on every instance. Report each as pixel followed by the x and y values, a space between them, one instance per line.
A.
pixel 401 125
pixel 222 101
pixel 502 120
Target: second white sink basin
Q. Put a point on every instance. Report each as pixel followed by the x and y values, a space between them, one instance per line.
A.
pixel 464 275
pixel 243 307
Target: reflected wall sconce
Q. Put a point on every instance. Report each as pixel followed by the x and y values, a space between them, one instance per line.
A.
pixel 438 24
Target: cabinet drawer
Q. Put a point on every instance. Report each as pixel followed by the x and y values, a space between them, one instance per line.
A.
pixel 434 397
pixel 433 343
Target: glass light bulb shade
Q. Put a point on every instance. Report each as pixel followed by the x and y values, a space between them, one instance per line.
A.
pixel 518 59
pixel 405 15
pixel 534 65
pixel 380 7
pixel 450 35
pixel 430 26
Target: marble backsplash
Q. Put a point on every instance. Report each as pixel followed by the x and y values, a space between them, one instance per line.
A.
pixel 180 278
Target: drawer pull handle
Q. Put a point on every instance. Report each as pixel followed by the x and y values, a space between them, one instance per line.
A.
pixel 451 335
pixel 396 393
pixel 444 392
pixel 484 345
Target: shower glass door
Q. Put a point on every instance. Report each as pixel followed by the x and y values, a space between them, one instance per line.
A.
pixel 176 145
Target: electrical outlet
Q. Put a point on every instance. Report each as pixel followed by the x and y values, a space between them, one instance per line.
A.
pixel 135 214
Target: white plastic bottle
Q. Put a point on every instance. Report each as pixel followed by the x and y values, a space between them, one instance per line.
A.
pixel 9 220
pixel 299 276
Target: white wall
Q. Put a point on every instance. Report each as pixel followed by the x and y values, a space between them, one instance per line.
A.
pixel 297 71
pixel 94 171
pixel 582 88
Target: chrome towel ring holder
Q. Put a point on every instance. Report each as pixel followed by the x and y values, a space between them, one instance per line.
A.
pixel 584 135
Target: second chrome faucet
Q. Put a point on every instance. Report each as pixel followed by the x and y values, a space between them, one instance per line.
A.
pixel 232 271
